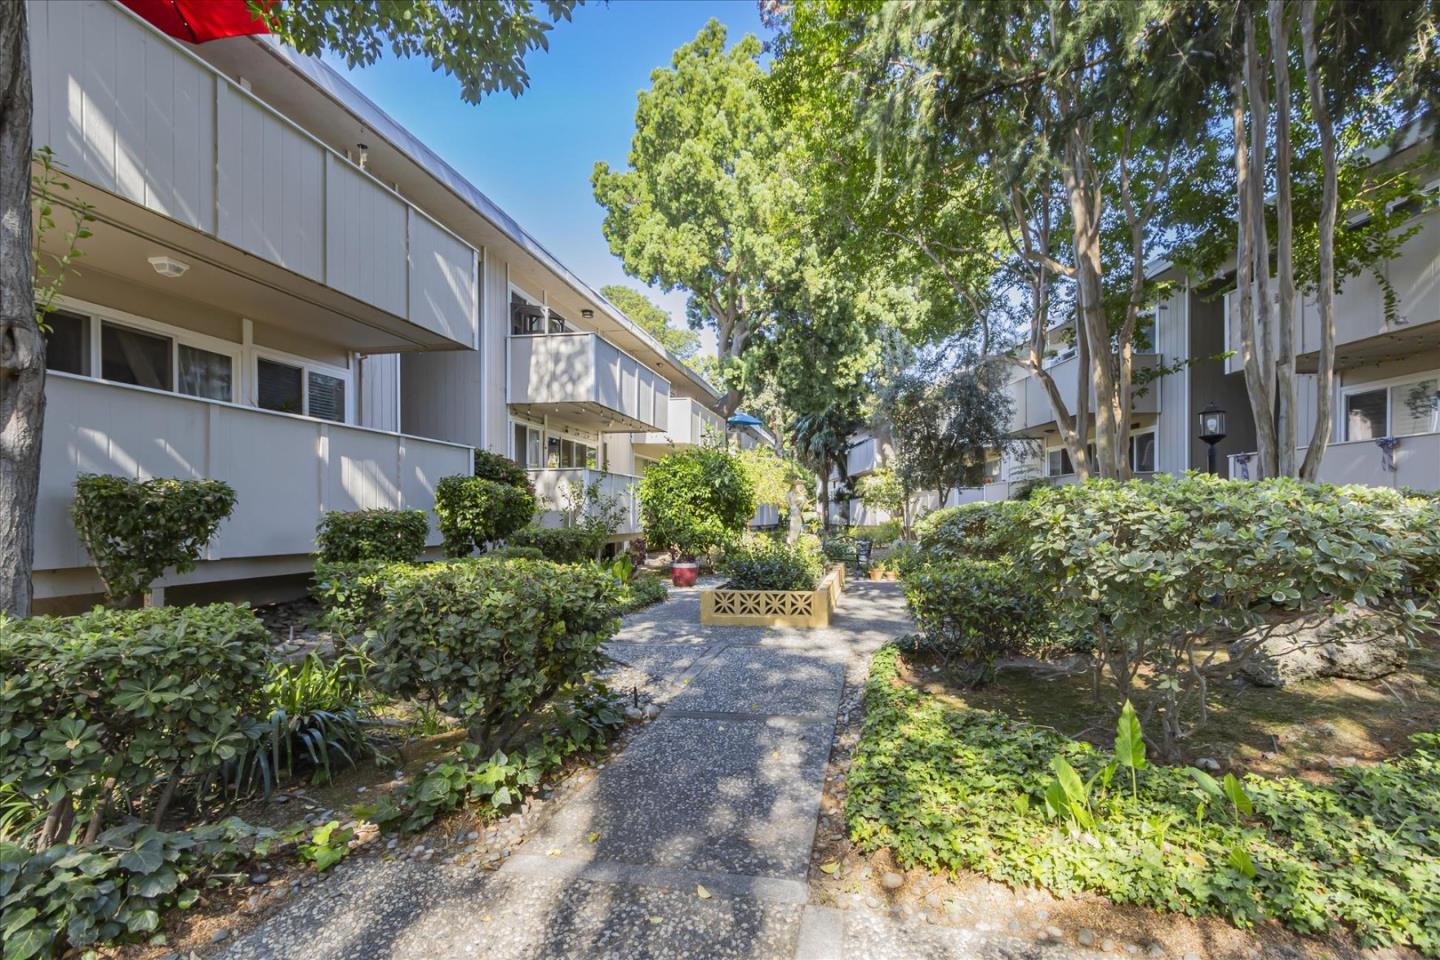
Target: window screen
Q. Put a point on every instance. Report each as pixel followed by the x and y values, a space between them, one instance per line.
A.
pixel 279 386
pixel 67 344
pixel 327 397
pixel 1365 415
pixel 1059 464
pixel 1415 407
pixel 1142 453
pixel 129 356
pixel 204 373
pixel 525 317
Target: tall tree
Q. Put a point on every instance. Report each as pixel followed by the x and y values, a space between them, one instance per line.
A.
pixel 698 205
pixel 681 341
pixel 482 44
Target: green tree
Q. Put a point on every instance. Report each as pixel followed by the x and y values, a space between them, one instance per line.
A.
pixel 483 45
pixel 681 341
pixel 701 202
pixel 696 500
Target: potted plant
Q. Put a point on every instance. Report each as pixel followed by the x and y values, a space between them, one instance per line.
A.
pixel 881 570
pixel 692 502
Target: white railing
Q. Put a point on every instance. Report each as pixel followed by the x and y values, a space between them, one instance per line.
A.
pixel 287 470
pixel 589 373
pixel 690 424
pixel 1412 461
pixel 562 490
pixel 131 111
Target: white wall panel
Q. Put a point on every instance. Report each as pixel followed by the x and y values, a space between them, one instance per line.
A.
pixel 366 238
pixel 380 392
pixel 442 280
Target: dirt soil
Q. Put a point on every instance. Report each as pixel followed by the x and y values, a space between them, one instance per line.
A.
pixel 1318 726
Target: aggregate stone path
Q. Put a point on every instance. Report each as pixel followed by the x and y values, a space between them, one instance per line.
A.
pixel 721 792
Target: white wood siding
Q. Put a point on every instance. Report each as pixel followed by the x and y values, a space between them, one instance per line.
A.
pixel 122 111
pixel 380 392
pixel 309 466
pixel 365 235
pixel 442 280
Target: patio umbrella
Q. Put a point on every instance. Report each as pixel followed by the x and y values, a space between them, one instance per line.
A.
pixel 196 21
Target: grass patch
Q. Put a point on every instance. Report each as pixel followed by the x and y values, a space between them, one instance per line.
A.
pixel 952 788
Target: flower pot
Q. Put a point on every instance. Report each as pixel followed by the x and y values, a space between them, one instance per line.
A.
pixel 684 574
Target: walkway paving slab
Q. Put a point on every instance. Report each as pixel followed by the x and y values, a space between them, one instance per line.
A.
pixel 746 680
pixel 739 796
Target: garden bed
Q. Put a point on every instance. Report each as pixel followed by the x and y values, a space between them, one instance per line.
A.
pixel 774 608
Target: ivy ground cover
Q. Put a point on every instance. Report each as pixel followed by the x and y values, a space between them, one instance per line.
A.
pixel 955 789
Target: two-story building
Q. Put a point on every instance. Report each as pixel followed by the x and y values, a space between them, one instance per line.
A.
pixel 287 291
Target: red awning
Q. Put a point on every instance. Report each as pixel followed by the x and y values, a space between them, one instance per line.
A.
pixel 196 21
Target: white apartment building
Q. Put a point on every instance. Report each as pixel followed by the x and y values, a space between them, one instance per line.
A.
pixel 1386 402
pixel 287 291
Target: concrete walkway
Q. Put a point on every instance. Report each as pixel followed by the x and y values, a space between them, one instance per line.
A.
pixel 722 791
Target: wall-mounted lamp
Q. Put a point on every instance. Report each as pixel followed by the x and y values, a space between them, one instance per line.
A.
pixel 363 155
pixel 588 314
pixel 169 267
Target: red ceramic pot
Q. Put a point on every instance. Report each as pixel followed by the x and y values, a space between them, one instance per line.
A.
pixel 684 574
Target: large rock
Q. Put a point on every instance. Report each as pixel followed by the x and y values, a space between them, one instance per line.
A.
pixel 1353 645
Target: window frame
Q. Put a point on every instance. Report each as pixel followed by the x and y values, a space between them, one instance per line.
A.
pixel 1379 386
pixel 1064 455
pixel 1155 446
pixel 99 315
pixel 528 425
pixel 306 365
pixel 512 289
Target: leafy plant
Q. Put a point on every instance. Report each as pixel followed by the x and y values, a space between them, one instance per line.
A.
pixel 559 544
pixel 316 716
pixel 950 788
pixel 694 501
pixel 365 535
pixel 71 897
pixel 643 591
pixel 349 593
pixel 763 564
pixel 492 642
pixel 328 845
pixel 512 552
pixel 500 469
pixel 474 512
pixel 136 529
pixel 124 705
pixel 1130 744
pixel 50 269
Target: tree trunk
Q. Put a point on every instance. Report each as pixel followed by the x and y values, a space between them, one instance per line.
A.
pixel 1245 289
pixel 22 348
pixel 825 498
pixel 794 499
pixel 1285 429
pixel 1329 202
pixel 1259 241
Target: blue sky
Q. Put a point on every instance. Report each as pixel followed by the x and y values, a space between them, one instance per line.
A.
pixel 533 155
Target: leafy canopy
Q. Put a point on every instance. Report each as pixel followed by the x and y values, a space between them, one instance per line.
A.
pixel 482 45
pixel 682 342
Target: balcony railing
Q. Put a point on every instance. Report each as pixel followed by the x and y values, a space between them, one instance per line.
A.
pixel 1412 461
pixel 588 381
pixel 562 491
pixel 690 425
pixel 130 111
pixel 1032 404
pixel 287 470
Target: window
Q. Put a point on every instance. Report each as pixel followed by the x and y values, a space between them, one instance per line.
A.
pixel 558 324
pixel 525 449
pixel 205 373
pixel 525 317
pixel 1058 463
pixel 130 356
pixel 67 343
pixel 1142 452
pixel 992 471
pixel 279 386
pixel 1397 410
pixel 327 397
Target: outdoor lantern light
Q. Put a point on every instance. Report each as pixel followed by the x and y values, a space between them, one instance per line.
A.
pixel 169 267
pixel 588 314
pixel 1212 429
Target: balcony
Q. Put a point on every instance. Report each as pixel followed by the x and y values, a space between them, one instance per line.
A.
pixel 1415 459
pixel 560 489
pixel 587 381
pixel 287 470
pixel 177 158
pixel 691 425
pixel 1032 405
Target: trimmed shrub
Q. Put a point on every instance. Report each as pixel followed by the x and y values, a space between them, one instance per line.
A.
pixel 1155 571
pixel 975 611
pixel 694 501
pixel 980 531
pixel 143 697
pixel 560 544
pixel 491 641
pixel 840 550
pixel 349 593
pixel 642 591
pixel 355 535
pixel 517 553
pixel 474 511
pixel 762 564
pixel 492 466
pixel 136 529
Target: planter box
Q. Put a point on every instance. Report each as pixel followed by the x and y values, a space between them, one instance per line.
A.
pixel 774 608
